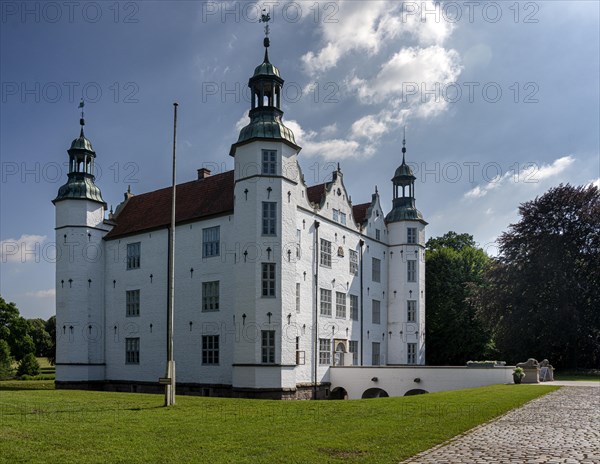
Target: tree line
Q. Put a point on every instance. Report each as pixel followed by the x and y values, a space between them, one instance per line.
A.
pixel 539 298
pixel 22 340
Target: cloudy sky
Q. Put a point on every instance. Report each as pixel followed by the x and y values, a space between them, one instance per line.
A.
pixel 499 99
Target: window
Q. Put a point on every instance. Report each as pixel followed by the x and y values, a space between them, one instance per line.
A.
pixel 376 354
pixel 210 349
pixel 353 348
pixel 268 346
pixel 325 253
pixel 411 235
pixel 133 255
pixel 298 242
pixel 353 262
pixel 325 302
pixel 376 312
pixel 132 298
pixel 132 350
pixel 411 311
pixel 269 162
pixel 377 234
pixel 411 270
pixel 340 305
pixel 210 242
pixel 324 351
pixel 210 296
pixel 343 218
pixel 297 297
pixel 336 215
pixel 376 268
pixel 269 217
pixel 268 279
pixel 354 307
pixel 299 354
pixel 411 353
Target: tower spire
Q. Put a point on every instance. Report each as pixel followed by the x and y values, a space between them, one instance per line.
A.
pixel 81 120
pixel 265 18
pixel 404 146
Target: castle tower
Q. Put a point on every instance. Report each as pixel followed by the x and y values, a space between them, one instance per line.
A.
pixel 406 307
pixel 79 269
pixel 265 216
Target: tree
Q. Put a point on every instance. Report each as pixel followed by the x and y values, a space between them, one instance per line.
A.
pixel 41 338
pixel 6 370
pixel 543 293
pixel 14 329
pixel 28 366
pixel 51 329
pixel 454 333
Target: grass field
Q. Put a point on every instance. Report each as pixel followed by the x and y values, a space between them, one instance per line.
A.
pixel 47 425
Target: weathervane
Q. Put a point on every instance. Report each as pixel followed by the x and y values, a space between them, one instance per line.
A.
pixel 265 18
pixel 81 120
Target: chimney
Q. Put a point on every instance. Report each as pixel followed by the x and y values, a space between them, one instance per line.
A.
pixel 203 173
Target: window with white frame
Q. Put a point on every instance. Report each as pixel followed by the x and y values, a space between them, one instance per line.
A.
pixel 376 270
pixel 353 348
pixel 411 353
pixel 132 303
pixel 268 346
pixel 132 350
pixel 325 302
pixel 353 262
pixel 325 253
pixel 269 162
pixel 324 351
pixel 377 234
pixel 269 218
pixel 210 349
pixel 375 353
pixel 340 305
pixel 134 251
pixel 376 312
pixel 354 307
pixel 268 279
pixel 211 241
pixel 411 270
pixel 411 311
pixel 297 297
pixel 210 296
pixel 343 218
pixel 336 215
pixel 411 235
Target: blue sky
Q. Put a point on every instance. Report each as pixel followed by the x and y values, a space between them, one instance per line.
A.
pixel 500 101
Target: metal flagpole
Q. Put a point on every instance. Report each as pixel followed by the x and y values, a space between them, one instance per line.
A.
pixel 170 386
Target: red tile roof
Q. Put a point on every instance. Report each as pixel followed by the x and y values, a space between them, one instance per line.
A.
pixel 360 212
pixel 316 193
pixel 197 199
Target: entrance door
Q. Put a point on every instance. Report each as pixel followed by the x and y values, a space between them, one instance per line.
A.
pixel 340 349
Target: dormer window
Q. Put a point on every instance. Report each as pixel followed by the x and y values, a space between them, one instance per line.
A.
pixel 336 214
pixel 343 218
pixel 269 162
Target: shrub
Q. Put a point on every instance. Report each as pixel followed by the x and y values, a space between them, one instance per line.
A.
pixel 28 366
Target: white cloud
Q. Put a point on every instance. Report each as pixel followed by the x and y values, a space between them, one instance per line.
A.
pixel 367 26
pixel 50 293
pixel 26 248
pixel 593 182
pixel 532 175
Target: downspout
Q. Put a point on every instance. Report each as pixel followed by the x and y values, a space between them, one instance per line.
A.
pixel 361 243
pixel 316 316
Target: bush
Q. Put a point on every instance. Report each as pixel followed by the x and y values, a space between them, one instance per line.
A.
pixel 6 370
pixel 37 377
pixel 28 366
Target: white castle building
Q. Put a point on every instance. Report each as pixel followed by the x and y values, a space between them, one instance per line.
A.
pixel 275 281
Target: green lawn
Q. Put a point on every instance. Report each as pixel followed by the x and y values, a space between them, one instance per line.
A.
pixel 48 425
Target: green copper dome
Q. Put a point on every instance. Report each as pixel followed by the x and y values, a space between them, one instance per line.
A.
pixel 266 124
pixel 81 143
pixel 266 69
pixel 404 170
pixel 404 210
pixel 80 187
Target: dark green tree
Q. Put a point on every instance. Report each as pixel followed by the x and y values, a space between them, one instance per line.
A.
pixel 51 329
pixel 28 366
pixel 6 370
pixel 41 338
pixel 15 330
pixel 454 333
pixel 542 297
